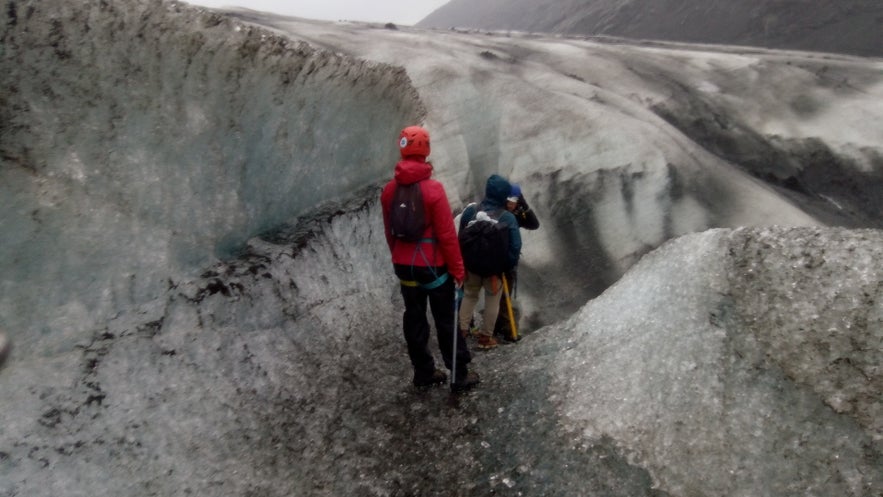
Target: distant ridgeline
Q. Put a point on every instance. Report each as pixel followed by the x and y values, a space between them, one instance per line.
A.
pixel 847 26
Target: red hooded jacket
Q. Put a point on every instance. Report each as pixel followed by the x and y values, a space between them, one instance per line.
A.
pixel 445 251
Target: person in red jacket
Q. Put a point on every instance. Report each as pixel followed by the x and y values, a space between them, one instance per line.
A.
pixel 429 269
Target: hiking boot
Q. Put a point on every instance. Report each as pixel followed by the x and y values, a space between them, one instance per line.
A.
pixel 437 378
pixel 486 342
pixel 465 383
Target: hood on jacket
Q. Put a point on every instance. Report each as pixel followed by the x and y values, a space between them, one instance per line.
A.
pixel 496 190
pixel 412 170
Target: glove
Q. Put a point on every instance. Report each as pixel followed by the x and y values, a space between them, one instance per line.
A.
pixel 522 204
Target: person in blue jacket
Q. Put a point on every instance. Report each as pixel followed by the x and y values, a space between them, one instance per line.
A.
pixel 527 219
pixel 497 190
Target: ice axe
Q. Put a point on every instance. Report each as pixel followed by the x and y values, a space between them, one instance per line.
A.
pixel 512 326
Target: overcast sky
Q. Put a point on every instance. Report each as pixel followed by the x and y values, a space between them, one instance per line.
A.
pixel 406 12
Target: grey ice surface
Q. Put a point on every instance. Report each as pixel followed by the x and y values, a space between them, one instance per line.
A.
pixel 198 294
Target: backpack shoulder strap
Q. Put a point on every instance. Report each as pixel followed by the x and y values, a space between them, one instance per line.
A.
pixel 495 214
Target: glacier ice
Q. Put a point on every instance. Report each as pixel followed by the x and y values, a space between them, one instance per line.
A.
pixel 197 286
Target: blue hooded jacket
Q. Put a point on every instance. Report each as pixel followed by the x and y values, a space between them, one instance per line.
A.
pixel 495 192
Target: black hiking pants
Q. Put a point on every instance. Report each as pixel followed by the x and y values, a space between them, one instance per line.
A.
pixel 416 326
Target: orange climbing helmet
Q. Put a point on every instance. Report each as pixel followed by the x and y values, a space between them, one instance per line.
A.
pixel 414 140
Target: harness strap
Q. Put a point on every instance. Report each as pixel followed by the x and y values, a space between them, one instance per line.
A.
pixel 423 240
pixel 426 286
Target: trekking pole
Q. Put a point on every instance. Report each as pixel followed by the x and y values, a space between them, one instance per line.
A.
pixel 509 307
pixel 456 332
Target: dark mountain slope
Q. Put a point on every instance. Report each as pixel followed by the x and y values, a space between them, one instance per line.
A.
pixel 849 26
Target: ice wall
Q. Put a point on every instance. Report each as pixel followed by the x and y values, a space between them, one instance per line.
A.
pixel 751 357
pixel 261 376
pixel 145 139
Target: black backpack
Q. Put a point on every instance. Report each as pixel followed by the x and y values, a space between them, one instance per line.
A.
pixel 485 245
pixel 406 218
